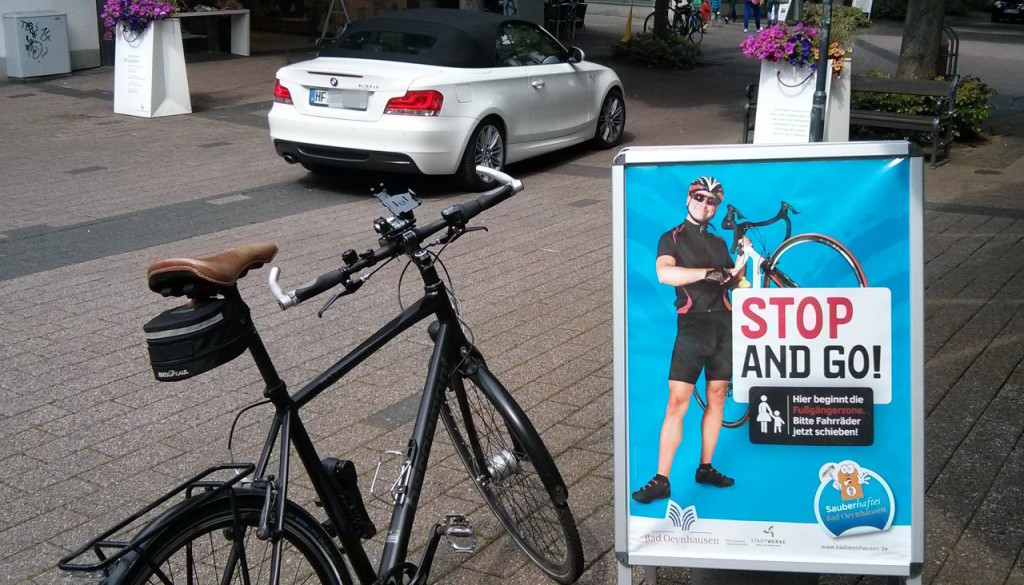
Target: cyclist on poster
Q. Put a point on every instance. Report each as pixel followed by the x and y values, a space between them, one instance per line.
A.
pixel 697 263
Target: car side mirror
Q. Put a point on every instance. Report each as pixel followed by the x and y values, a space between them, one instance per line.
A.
pixel 576 55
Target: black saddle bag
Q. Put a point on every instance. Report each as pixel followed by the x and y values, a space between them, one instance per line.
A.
pixel 197 337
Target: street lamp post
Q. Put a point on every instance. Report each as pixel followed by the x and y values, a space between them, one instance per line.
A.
pixel 818 109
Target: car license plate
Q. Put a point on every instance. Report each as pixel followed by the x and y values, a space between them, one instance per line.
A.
pixel 348 99
pixel 1011 11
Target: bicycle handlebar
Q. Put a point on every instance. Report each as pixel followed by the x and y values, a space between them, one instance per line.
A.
pixel 740 229
pixel 455 216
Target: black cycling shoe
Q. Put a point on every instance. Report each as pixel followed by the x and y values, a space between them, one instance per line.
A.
pixel 656 489
pixel 711 476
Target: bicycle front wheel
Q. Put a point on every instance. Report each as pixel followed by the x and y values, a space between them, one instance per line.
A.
pixel 514 473
pixel 217 543
pixel 734 414
pixel 813 261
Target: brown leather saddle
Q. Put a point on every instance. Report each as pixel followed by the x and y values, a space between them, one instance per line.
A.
pixel 203 277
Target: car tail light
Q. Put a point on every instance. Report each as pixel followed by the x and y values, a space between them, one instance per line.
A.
pixel 281 93
pixel 416 103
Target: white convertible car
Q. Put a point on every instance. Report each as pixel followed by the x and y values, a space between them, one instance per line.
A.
pixel 439 91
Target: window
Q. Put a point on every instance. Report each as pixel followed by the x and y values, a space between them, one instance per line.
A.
pixel 521 43
pixel 387 42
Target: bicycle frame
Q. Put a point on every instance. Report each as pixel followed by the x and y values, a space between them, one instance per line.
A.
pixel 452 351
pixel 288 426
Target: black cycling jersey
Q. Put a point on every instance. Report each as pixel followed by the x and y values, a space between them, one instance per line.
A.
pixel 693 247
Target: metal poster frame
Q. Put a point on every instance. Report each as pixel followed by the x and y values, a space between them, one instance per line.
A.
pixel 821 170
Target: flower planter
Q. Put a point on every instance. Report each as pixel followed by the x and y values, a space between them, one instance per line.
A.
pixel 785 98
pixel 149 71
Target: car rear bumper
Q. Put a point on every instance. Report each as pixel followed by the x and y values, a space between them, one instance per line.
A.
pixel 345 157
pixel 430 146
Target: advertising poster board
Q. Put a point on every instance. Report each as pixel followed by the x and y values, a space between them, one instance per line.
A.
pixel 823 433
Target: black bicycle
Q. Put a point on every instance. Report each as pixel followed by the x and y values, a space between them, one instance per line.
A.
pixel 235 523
pixel 820 261
pixel 683 21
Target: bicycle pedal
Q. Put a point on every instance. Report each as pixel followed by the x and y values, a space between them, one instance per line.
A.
pixel 459 533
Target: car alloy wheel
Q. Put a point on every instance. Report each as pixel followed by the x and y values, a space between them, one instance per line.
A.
pixel 486 148
pixel 489 148
pixel 611 121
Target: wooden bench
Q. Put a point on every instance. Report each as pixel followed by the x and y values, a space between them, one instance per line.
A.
pixel 939 122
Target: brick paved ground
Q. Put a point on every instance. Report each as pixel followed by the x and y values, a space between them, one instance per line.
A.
pixel 90 198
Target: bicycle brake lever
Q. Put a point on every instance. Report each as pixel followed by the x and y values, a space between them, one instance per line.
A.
pixel 351 286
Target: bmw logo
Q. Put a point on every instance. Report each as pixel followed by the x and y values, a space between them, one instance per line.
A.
pixel 334 82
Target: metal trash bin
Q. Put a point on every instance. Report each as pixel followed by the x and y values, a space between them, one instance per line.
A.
pixel 36 43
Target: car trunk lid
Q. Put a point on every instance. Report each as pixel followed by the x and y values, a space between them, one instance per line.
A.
pixel 349 89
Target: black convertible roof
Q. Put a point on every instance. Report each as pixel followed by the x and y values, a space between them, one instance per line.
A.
pixel 463 38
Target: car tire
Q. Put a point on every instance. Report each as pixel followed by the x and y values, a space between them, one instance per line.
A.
pixel 611 120
pixel 995 17
pixel 487 147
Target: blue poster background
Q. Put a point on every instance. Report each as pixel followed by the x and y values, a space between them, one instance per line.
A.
pixel 865 204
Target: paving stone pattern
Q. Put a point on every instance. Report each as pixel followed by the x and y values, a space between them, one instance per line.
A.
pixel 90 198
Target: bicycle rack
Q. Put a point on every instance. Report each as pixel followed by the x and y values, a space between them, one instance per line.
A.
pixel 96 571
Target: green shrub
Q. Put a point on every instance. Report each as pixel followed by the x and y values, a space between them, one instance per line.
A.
pixel 646 50
pixel 889 9
pixel 897 9
pixel 846 21
pixel 973 107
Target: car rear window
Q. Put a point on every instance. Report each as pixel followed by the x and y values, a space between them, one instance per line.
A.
pixel 372 41
pixel 411 40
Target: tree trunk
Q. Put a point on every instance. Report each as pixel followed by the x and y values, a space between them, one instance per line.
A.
pixel 922 33
pixel 661 19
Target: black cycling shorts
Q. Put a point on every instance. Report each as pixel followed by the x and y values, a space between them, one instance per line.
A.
pixel 703 342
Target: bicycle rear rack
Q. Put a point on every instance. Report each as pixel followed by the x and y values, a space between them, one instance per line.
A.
pixel 101 545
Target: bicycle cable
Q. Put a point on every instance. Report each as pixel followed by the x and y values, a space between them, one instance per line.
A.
pixel 450 289
pixel 231 433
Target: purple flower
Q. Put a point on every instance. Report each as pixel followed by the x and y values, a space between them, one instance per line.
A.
pixel 134 15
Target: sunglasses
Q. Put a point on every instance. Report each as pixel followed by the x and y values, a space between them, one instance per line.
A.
pixel 711 200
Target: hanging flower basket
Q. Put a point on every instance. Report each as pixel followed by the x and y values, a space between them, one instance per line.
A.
pixel 789 70
pixel 130 17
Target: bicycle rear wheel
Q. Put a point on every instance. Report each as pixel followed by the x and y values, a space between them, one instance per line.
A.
pixel 206 545
pixel 813 260
pixel 515 473
pixel 695 28
pixel 734 414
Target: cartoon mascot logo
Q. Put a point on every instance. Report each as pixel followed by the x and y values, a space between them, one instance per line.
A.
pixel 852 500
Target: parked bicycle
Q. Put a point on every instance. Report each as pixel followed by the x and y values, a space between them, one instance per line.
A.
pixel 683 21
pixel 235 523
pixel 820 260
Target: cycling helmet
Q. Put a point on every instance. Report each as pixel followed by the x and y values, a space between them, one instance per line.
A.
pixel 708 185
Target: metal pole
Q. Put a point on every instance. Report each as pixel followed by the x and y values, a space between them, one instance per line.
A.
pixel 796 10
pixel 818 109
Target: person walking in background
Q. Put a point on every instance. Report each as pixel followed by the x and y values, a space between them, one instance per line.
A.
pixel 748 7
pixel 773 12
pixel 731 16
pixel 716 8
